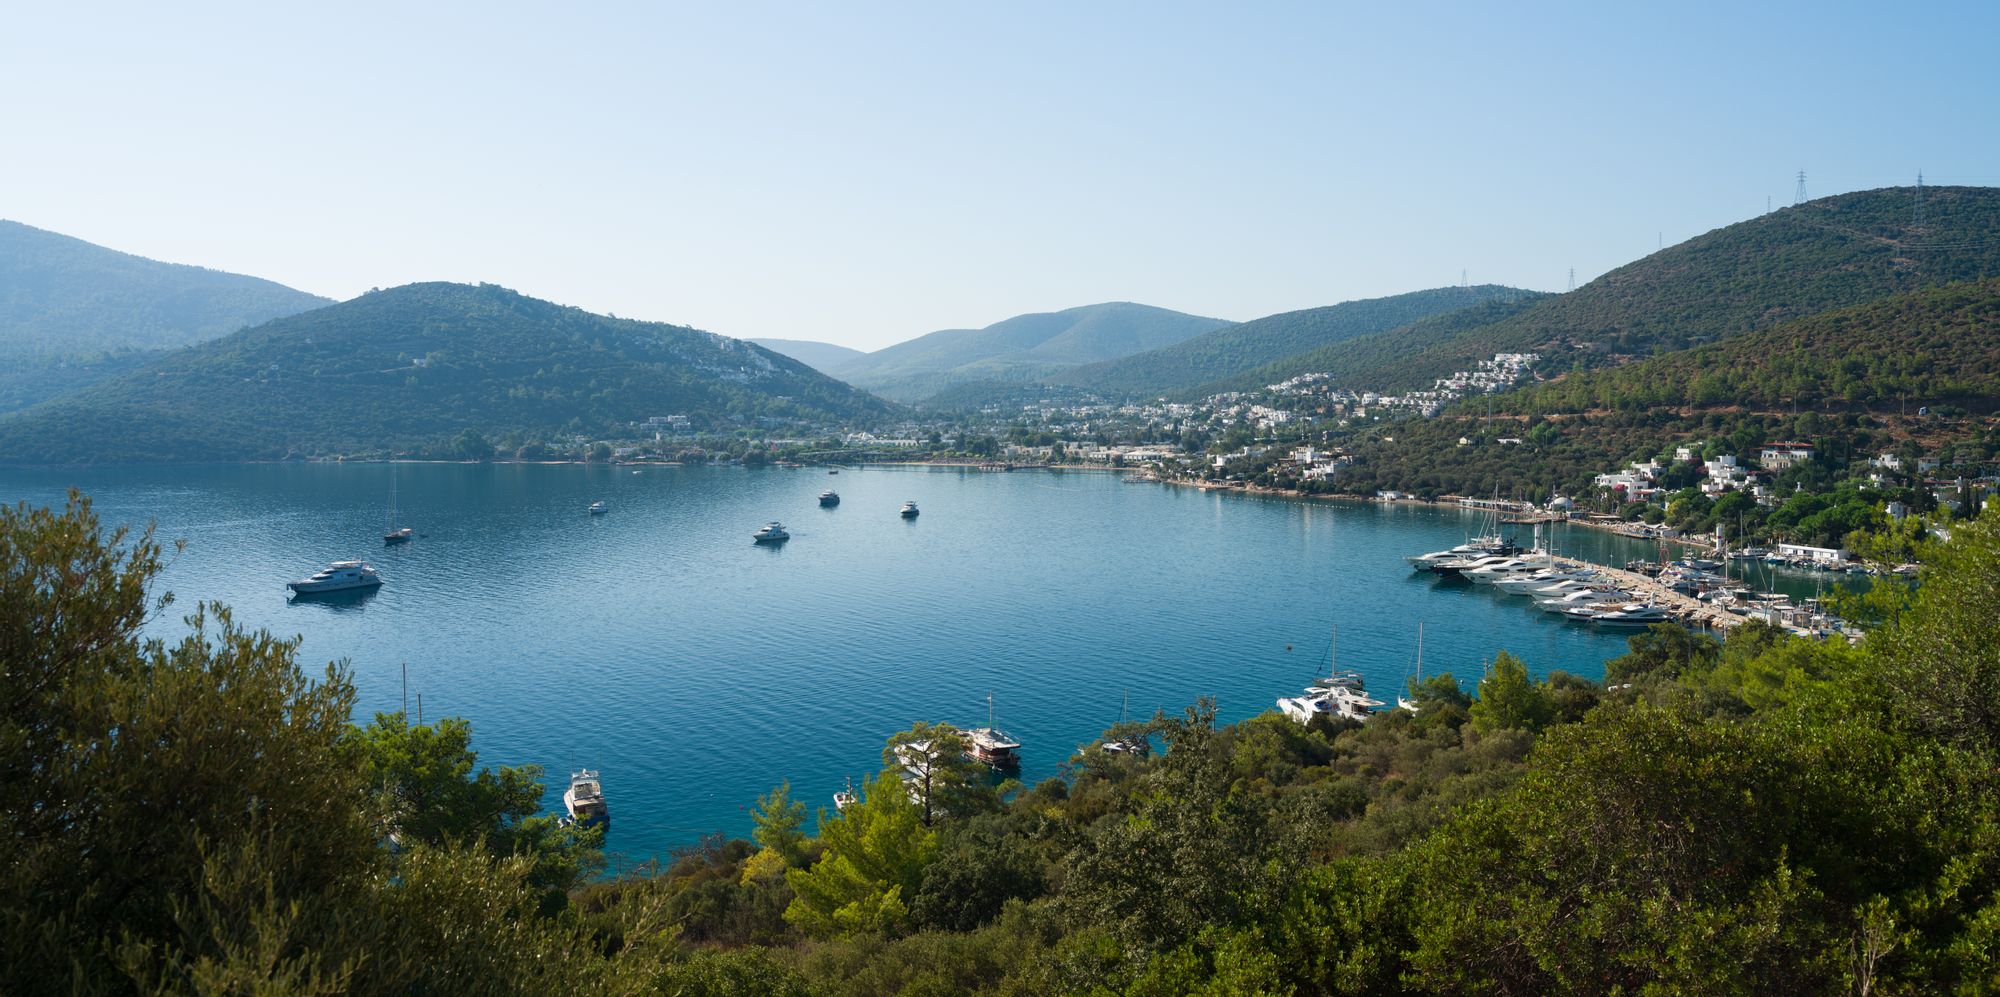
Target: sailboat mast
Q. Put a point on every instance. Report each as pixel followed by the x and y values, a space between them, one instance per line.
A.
pixel 1420 650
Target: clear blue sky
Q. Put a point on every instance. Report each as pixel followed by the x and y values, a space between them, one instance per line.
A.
pixel 862 173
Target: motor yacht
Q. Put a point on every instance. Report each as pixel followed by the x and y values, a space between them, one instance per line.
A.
pixel 584 799
pixel 1519 567
pixel 829 498
pixel 340 576
pixel 1460 566
pixel 770 533
pixel 599 508
pixel 1582 599
pixel 1477 547
pixel 1635 614
pixel 1541 580
pixel 909 510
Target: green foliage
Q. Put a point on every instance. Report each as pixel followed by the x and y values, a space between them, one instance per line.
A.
pixel 780 820
pixel 437 368
pixel 1510 700
pixel 944 780
pixel 876 851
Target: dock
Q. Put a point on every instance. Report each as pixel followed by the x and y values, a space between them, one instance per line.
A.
pixel 1686 608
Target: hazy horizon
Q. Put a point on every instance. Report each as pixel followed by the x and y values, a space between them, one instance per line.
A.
pixel 864 177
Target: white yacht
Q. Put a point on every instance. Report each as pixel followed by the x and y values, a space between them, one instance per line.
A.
pixel 770 533
pixel 829 498
pixel 845 798
pixel 909 510
pixel 1340 695
pixel 1558 589
pixel 584 799
pixel 599 508
pixel 991 745
pixel 1460 566
pixel 1477 547
pixel 1540 580
pixel 1590 598
pixel 1518 567
pixel 1635 614
pixel 340 576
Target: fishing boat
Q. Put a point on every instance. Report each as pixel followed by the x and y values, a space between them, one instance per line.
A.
pixel 584 799
pixel 991 745
pixel 393 534
pixel 340 576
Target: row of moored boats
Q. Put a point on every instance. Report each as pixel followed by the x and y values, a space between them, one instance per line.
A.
pixel 1579 593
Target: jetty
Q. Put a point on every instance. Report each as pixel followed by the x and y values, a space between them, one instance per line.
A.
pixel 1686 608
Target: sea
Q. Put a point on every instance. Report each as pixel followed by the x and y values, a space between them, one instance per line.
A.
pixel 696 670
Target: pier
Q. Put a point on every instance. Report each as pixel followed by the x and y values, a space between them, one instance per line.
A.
pixel 1685 608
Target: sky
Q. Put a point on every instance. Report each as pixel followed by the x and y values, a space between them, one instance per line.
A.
pixel 864 173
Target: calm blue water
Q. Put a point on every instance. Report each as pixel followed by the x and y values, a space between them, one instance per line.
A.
pixel 696 670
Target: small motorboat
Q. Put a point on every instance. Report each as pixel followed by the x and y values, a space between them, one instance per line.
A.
pixel 599 508
pixel 584 799
pixel 829 498
pixel 770 533
pixel 340 576
pixel 909 510
pixel 845 798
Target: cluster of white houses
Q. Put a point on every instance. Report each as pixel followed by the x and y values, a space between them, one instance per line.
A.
pixel 1503 371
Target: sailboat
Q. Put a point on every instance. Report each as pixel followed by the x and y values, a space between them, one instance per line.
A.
pixel 1133 745
pixel 393 534
pixel 1404 702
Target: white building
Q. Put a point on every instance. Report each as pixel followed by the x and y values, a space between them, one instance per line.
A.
pixel 1817 555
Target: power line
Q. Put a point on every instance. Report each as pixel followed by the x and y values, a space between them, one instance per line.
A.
pixel 1917 213
pixel 1572 278
pixel 1799 197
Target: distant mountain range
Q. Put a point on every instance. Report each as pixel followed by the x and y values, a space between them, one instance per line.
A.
pixel 1239 349
pixel 1022 348
pixel 818 356
pixel 62 298
pixel 419 366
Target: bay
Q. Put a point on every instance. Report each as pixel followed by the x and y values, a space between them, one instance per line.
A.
pixel 697 670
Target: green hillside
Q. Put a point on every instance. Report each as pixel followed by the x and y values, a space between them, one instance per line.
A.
pixel 1940 345
pixel 1238 349
pixel 1442 343
pixel 1823 255
pixel 62 298
pixel 818 356
pixel 417 366
pixel 1021 348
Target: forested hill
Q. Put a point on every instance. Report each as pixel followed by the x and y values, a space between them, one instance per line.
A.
pixel 1445 342
pixel 62 297
pixel 1832 253
pixel 1922 348
pixel 1021 348
pixel 1238 349
pixel 416 366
